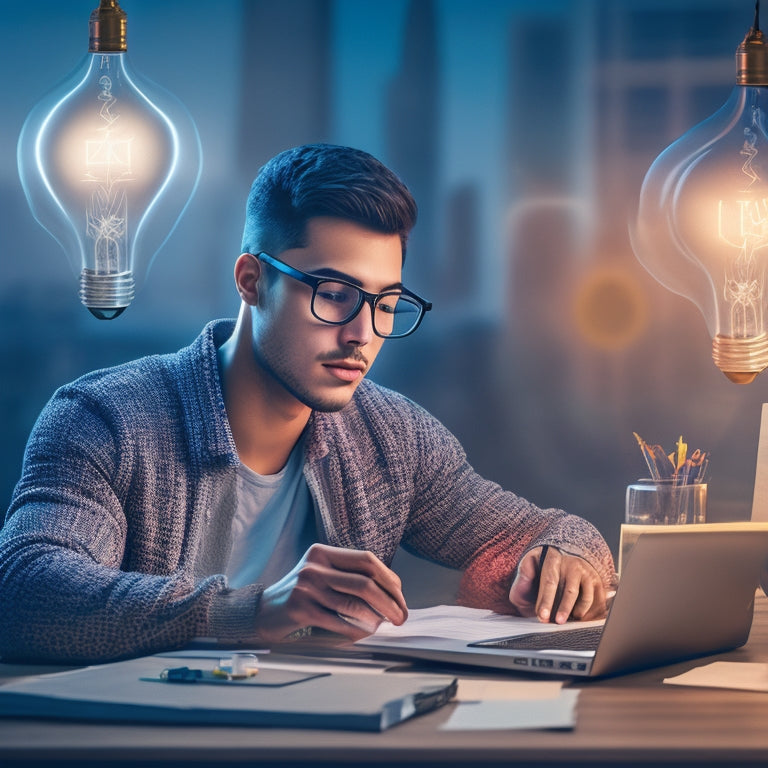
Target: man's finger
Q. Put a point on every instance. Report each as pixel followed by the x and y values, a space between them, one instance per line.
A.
pixel 349 593
pixel 584 602
pixel 524 589
pixel 549 583
pixel 571 589
pixel 367 564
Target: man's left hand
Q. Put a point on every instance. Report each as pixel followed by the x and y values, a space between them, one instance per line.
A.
pixel 561 587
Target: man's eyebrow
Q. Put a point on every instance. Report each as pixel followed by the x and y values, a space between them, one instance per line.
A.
pixel 329 272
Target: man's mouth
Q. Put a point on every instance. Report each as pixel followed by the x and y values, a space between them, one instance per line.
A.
pixel 346 370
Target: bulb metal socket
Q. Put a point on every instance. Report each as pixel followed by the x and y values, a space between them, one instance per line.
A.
pixel 741 360
pixel 107 28
pixel 752 58
pixel 106 296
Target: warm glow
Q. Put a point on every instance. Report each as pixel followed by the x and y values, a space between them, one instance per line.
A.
pixel 609 309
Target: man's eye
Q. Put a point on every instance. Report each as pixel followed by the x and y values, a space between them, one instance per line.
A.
pixel 335 297
pixel 388 305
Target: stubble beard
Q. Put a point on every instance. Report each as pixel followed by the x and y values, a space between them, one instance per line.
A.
pixel 300 391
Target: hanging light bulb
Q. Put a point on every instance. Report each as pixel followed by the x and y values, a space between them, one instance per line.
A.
pixel 702 222
pixel 108 164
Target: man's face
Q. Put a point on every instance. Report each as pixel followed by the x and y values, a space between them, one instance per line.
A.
pixel 318 364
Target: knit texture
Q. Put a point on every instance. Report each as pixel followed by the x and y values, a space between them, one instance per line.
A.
pixel 117 536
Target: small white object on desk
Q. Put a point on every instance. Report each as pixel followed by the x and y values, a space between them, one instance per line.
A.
pixel 738 675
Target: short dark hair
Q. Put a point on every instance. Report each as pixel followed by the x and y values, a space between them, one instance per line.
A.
pixel 323 180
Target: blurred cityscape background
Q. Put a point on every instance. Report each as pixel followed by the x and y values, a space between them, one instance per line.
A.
pixel 524 128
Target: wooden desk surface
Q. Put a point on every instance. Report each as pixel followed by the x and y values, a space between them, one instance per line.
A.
pixel 628 720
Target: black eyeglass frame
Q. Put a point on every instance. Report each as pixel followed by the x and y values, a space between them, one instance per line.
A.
pixel 364 297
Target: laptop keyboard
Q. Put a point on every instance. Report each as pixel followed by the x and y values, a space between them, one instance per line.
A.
pixel 577 639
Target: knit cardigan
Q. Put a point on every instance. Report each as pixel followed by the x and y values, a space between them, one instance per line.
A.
pixel 118 532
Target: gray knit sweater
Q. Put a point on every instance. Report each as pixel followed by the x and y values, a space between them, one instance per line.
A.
pixel 119 529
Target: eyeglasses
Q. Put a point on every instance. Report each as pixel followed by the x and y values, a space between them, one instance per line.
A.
pixel 394 313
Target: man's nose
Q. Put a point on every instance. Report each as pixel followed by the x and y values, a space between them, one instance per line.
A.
pixel 359 330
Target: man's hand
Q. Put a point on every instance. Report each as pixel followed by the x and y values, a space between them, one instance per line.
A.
pixel 562 585
pixel 346 591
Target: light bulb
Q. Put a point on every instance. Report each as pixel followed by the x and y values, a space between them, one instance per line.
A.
pixel 108 163
pixel 702 221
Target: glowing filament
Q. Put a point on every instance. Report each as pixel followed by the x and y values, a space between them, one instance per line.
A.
pixel 108 166
pixel 744 225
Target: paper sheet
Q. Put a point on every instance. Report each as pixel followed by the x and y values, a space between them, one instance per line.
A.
pixel 739 675
pixel 330 665
pixel 515 714
pixel 456 622
pixel 471 689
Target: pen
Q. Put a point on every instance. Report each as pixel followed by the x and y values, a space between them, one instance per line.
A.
pixel 357 623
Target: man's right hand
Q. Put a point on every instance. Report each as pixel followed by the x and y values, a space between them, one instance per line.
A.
pixel 346 591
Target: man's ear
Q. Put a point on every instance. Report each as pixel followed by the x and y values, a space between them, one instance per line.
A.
pixel 247 272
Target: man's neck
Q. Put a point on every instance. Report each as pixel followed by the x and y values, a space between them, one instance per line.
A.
pixel 266 421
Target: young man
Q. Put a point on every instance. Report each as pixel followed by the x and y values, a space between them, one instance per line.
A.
pixel 255 484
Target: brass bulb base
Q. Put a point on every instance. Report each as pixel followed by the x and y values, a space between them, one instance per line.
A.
pixel 107 28
pixel 741 360
pixel 752 56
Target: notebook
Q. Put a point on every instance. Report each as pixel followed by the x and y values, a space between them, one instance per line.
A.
pixel 685 591
pixel 134 691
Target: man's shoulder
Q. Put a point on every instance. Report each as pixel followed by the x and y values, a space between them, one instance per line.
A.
pixel 142 373
pixel 151 369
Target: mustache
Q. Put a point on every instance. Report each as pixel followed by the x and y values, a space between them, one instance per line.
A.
pixel 353 354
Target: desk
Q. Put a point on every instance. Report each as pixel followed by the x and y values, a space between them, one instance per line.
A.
pixel 631 720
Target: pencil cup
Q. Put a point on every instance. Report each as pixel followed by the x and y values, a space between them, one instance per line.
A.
pixel 663 502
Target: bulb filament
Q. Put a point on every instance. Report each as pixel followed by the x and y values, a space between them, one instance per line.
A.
pixel 108 167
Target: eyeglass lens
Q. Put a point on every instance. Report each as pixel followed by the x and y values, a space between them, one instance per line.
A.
pixel 394 314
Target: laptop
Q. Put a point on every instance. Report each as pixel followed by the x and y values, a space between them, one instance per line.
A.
pixel 685 591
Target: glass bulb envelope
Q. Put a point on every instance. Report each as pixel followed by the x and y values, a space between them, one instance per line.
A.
pixel 702 227
pixel 108 163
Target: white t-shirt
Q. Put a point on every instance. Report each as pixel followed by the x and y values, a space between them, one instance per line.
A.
pixel 274 523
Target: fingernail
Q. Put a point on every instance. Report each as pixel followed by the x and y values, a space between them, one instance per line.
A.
pixel 544 614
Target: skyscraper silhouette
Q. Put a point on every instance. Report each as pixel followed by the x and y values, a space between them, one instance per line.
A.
pixel 285 75
pixel 412 133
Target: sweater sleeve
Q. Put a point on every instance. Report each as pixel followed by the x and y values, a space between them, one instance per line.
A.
pixel 67 536
pixel 468 522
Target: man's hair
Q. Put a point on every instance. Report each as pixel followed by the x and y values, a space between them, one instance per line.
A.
pixel 323 180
